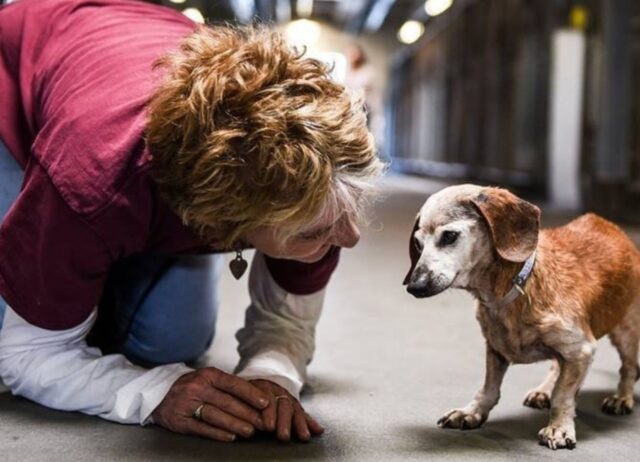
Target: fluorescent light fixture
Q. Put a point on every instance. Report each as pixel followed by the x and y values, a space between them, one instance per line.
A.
pixel 410 32
pixel 178 1
pixel 243 9
pixel 304 8
pixel 302 32
pixel 193 14
pixel 378 14
pixel 436 7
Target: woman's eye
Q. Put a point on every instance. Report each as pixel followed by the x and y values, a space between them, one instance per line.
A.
pixel 314 236
pixel 448 238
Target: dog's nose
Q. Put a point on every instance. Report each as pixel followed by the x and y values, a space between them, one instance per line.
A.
pixel 417 291
pixel 419 286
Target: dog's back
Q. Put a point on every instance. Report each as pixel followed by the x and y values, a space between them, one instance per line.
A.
pixel 593 262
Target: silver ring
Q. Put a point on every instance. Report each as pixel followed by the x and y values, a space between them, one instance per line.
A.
pixel 281 397
pixel 197 414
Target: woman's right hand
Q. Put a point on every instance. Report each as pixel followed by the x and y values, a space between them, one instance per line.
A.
pixel 230 406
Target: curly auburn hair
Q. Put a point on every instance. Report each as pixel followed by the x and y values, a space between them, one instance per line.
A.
pixel 246 132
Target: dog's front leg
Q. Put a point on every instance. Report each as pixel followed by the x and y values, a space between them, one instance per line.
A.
pixel 476 412
pixel 561 433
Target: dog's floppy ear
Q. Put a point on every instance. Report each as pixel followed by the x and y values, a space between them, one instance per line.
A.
pixel 414 253
pixel 514 223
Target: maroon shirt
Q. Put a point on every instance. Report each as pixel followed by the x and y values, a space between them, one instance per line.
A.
pixel 75 79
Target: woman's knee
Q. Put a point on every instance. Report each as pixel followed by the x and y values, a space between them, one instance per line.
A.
pixel 170 346
pixel 176 322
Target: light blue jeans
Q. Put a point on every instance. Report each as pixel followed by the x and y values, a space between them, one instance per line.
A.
pixel 156 309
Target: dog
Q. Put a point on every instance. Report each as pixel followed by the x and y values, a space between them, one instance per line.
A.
pixel 540 295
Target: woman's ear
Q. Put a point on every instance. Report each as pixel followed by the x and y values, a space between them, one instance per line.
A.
pixel 514 223
pixel 414 252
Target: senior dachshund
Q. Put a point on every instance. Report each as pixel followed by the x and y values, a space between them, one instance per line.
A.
pixel 540 295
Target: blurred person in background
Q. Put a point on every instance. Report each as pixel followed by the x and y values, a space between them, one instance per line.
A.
pixel 360 78
pixel 135 146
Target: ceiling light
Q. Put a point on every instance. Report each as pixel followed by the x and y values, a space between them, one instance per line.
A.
pixel 303 32
pixel 436 7
pixel 193 14
pixel 178 1
pixel 410 31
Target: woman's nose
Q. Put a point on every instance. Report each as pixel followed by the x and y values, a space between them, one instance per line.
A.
pixel 347 234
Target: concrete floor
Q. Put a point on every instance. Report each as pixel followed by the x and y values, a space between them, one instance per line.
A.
pixel 387 366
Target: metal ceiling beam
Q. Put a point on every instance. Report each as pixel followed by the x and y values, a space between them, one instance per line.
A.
pixel 283 11
pixel 266 10
pixel 244 10
pixel 356 23
pixel 377 15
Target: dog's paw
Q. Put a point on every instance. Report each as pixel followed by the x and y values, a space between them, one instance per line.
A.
pixel 537 400
pixel 616 405
pixel 461 419
pixel 557 437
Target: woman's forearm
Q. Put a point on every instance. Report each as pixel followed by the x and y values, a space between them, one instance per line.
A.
pixel 57 369
pixel 278 338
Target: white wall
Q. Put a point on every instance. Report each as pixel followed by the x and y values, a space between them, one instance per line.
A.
pixel 567 82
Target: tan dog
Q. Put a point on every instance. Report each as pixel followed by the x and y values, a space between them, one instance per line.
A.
pixel 541 295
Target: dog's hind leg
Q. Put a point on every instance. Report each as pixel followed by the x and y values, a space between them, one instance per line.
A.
pixel 625 337
pixel 540 397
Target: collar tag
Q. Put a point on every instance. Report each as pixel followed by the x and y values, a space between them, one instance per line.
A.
pixel 518 285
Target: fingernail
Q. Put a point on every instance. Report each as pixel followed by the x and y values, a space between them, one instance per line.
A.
pixel 232 437
pixel 259 424
pixel 263 402
pixel 248 431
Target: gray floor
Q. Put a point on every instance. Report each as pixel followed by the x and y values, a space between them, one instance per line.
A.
pixel 387 366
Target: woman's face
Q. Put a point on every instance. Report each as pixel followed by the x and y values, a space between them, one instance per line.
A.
pixel 310 245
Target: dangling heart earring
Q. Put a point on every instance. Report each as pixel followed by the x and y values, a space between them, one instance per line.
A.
pixel 238 265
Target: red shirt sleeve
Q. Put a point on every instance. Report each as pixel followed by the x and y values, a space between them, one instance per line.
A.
pixel 52 264
pixel 304 278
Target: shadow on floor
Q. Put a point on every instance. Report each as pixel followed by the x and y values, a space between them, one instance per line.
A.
pixel 517 432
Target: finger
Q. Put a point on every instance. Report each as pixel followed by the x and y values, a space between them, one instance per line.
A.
pixel 269 415
pixel 240 388
pixel 300 424
pixel 285 414
pixel 196 427
pixel 314 426
pixel 233 406
pixel 217 418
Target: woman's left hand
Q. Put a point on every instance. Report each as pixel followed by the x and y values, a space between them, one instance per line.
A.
pixel 285 413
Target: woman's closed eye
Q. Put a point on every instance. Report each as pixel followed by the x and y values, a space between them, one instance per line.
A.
pixel 317 234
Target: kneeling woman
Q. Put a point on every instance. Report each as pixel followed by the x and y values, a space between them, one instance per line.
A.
pixel 135 147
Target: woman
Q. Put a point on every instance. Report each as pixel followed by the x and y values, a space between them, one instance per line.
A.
pixel 130 175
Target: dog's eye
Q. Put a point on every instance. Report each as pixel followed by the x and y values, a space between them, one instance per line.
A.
pixel 448 238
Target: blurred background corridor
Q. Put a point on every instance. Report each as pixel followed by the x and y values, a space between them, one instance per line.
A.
pixel 539 96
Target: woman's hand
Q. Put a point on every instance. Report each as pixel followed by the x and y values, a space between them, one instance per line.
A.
pixel 230 406
pixel 284 412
